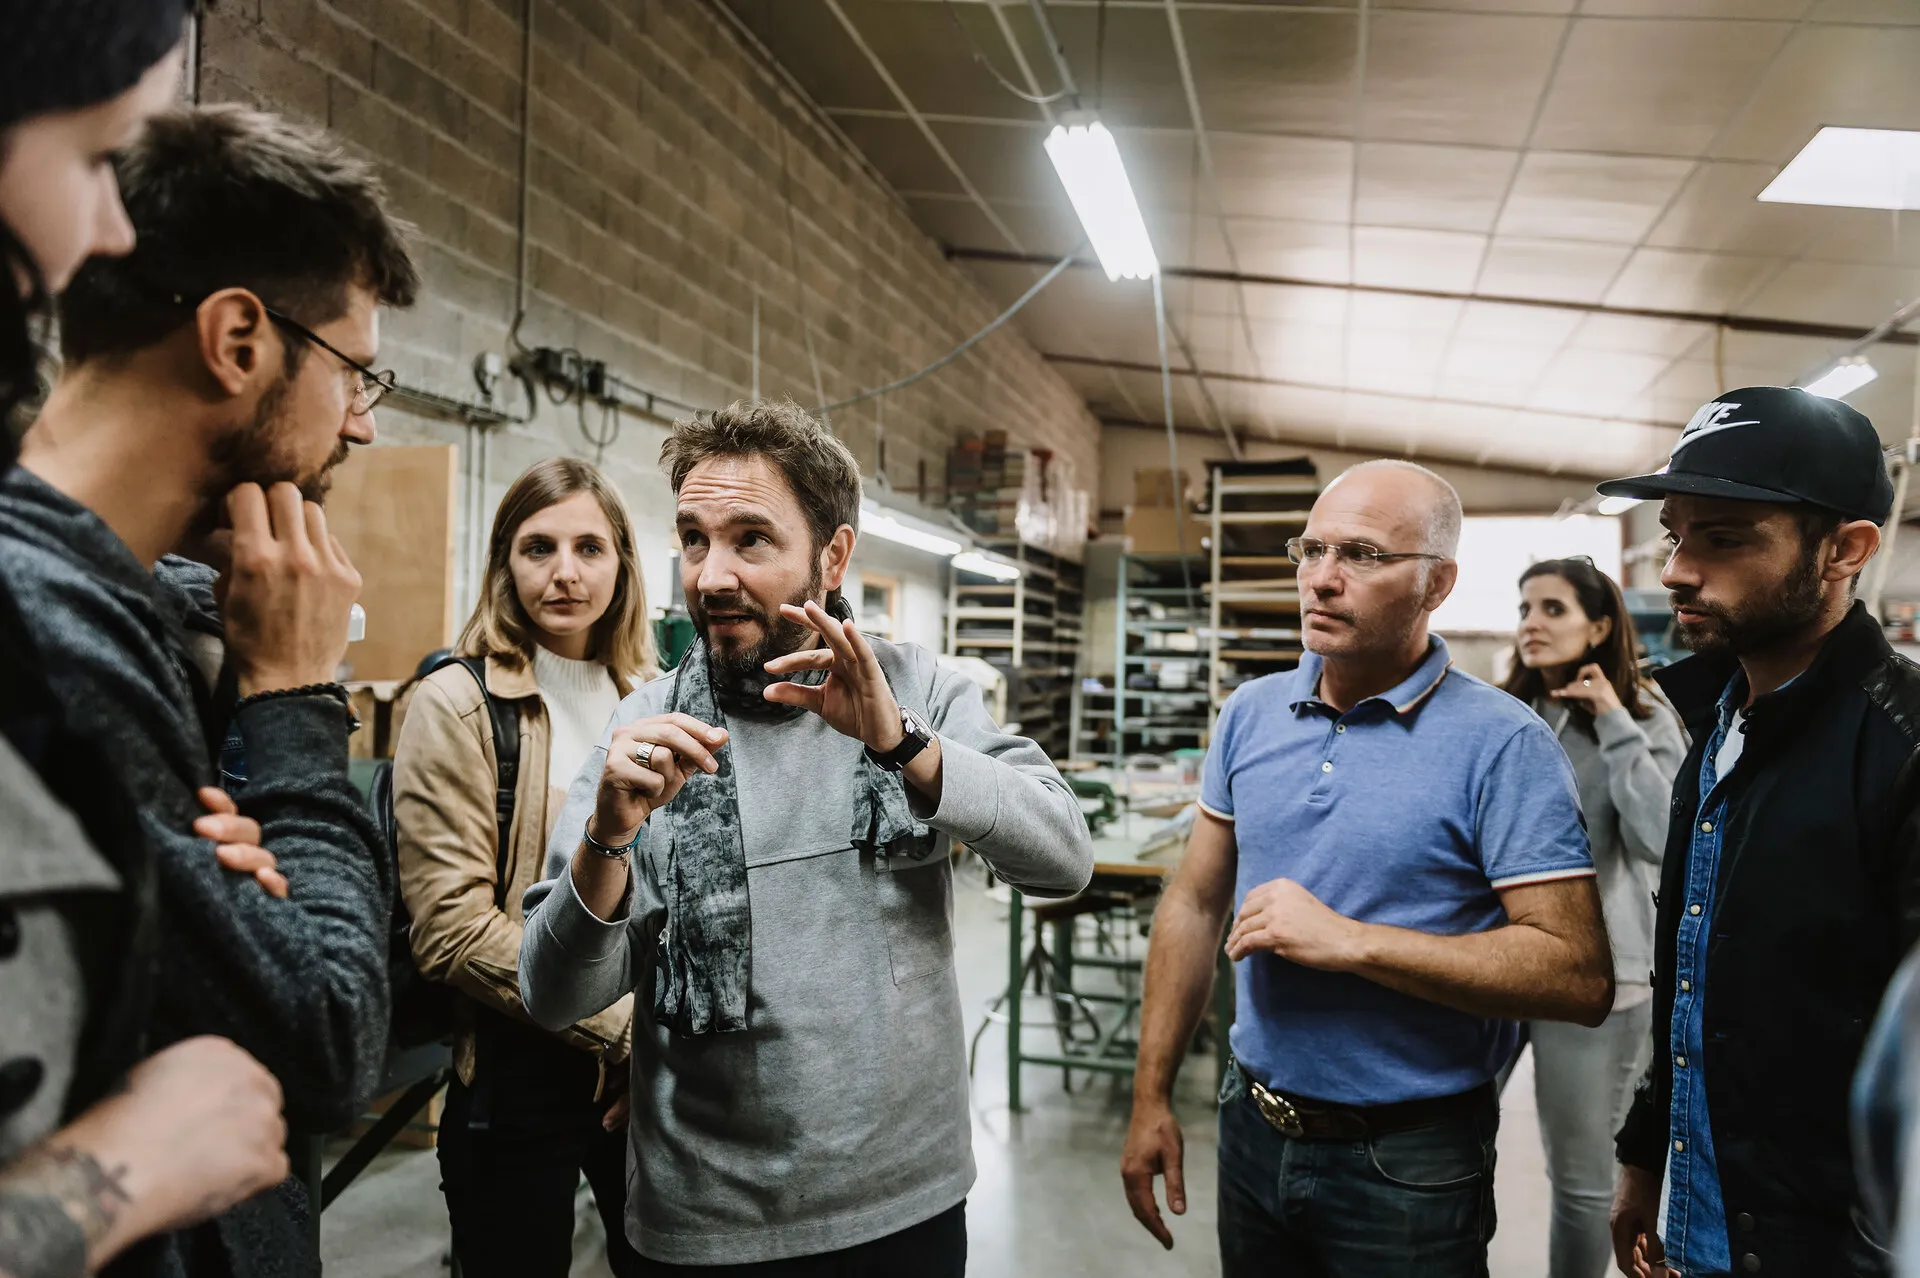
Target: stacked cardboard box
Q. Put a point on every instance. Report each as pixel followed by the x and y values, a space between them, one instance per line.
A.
pixel 1161 521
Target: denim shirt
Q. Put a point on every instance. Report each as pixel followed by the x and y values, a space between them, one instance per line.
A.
pixel 1695 1234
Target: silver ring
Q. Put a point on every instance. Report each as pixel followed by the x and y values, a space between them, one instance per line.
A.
pixel 1586 683
pixel 647 760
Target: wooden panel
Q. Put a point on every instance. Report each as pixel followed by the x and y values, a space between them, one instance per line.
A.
pixel 393 510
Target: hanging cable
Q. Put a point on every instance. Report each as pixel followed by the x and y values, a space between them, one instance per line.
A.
pixel 1173 444
pixel 994 71
pixel 965 346
pixel 1100 56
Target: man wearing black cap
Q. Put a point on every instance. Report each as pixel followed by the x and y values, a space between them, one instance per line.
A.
pixel 1791 884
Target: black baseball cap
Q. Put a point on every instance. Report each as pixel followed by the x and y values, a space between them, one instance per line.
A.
pixel 1778 444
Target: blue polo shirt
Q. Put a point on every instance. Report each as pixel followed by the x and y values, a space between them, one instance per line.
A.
pixel 1412 809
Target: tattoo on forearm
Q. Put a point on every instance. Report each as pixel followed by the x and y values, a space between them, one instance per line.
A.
pixel 56 1202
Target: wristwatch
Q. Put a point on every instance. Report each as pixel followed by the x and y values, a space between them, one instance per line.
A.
pixel 918 737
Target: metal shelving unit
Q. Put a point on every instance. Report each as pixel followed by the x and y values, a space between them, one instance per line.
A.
pixel 1158 701
pixel 1253 599
pixel 1030 629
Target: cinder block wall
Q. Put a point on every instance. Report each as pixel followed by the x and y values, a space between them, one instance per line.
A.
pixel 674 180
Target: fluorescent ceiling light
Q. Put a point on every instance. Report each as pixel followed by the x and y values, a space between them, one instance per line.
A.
pixel 1089 166
pixel 975 562
pixel 1843 379
pixel 901 528
pixel 1852 168
pixel 1617 505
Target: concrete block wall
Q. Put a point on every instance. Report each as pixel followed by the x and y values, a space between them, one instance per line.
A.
pixel 676 185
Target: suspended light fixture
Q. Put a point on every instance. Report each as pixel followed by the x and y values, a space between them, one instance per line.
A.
pixel 1084 155
pixel 975 562
pixel 888 525
pixel 1844 378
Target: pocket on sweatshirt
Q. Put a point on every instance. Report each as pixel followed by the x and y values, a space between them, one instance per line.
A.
pixel 916 904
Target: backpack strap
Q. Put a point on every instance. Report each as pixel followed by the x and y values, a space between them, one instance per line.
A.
pixel 505 717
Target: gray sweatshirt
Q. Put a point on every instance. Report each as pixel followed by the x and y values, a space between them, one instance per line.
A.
pixel 840 1115
pixel 1625 767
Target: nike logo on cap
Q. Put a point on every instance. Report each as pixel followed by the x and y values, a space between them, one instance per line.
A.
pixel 1710 420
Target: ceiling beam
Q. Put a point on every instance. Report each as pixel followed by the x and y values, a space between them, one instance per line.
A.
pixel 1733 323
pixel 1446 457
pixel 1250 379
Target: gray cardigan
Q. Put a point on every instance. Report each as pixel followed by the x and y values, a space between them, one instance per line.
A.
pixel 1625 767
pixel 840 1114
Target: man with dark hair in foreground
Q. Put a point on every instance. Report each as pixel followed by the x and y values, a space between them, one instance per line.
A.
pixel 213 378
pixel 1791 884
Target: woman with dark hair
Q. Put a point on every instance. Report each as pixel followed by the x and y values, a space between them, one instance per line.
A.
pixel 98 1148
pixel 1575 664
pixel 560 634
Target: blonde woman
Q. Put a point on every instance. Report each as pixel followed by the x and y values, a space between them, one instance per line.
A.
pixel 562 628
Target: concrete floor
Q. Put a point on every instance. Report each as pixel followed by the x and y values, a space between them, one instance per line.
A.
pixel 1047 1203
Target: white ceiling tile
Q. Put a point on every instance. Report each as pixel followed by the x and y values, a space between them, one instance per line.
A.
pixel 1521 363
pixel 1857 76
pixel 1305 178
pixel 1717 210
pixel 1179 240
pixel 1438 260
pixel 1468 388
pixel 1448 188
pixel 1270 71
pixel 1835 293
pixel 1301 250
pixel 1668 279
pixel 1455 78
pixel 1390 313
pixel 1662 88
pixel 1567 196
pixel 1637 336
pixel 1782 10
pixel 1866 235
pixel 1561 270
pixel 1298 304
pixel 1888 12
pixel 1530 325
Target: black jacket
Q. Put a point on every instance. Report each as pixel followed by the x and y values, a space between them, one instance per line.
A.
pixel 302 983
pixel 1818 896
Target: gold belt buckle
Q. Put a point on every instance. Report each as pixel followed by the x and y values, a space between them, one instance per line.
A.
pixel 1277 1110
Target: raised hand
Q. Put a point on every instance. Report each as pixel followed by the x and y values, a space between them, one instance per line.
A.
pixel 287 591
pixel 856 700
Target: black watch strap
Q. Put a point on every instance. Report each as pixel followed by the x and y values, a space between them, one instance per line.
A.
pixel 918 737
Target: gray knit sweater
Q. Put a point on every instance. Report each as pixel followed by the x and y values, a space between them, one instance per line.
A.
pixel 301 983
pixel 1625 767
pixel 840 1114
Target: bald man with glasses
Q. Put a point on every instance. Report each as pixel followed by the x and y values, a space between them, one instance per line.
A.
pixel 1399 850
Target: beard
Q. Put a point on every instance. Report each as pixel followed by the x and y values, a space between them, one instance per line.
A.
pixel 1786 610
pixel 739 670
pixel 258 453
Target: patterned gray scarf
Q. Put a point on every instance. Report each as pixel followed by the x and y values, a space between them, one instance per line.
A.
pixel 706 958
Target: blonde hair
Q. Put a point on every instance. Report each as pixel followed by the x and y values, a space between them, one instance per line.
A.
pixel 622 639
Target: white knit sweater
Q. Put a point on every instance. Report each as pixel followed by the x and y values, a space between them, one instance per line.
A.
pixel 580 698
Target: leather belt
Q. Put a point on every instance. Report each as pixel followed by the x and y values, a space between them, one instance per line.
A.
pixel 1300 1118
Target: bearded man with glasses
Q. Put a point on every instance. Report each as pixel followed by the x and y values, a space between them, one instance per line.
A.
pixel 1400 851
pixel 212 380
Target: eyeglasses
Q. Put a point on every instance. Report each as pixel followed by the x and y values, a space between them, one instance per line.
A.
pixel 1358 556
pixel 368 386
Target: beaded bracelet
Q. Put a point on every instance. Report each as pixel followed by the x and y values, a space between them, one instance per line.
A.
pixel 335 690
pixel 614 852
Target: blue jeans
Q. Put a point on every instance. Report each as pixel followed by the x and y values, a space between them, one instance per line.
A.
pixel 1416 1203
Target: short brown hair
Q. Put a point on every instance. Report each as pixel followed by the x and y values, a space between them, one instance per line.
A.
pixel 227 197
pixel 622 640
pixel 819 468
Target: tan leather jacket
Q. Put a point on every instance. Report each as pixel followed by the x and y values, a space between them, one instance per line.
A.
pixel 443 789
